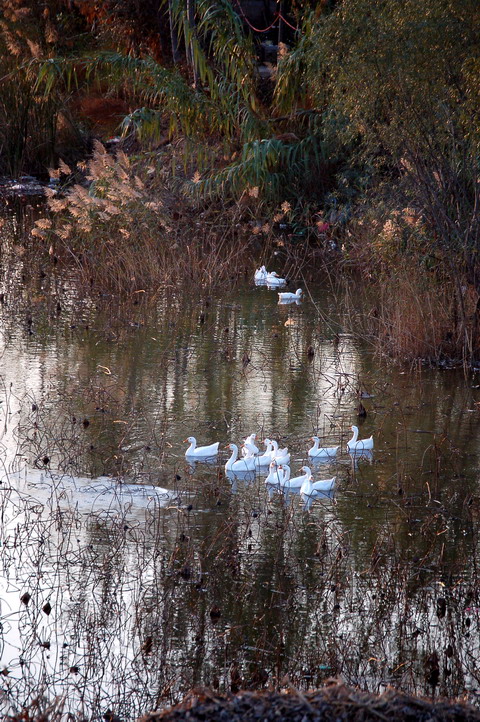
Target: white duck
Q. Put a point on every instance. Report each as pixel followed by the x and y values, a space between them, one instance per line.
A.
pixel 296 482
pixel 273 279
pixel 200 452
pixel 261 274
pixel 265 458
pixel 275 476
pixel 249 447
pixel 286 471
pixel 281 456
pixel 355 445
pixel 282 297
pixel 310 488
pixel 249 450
pixel 236 464
pixel 316 451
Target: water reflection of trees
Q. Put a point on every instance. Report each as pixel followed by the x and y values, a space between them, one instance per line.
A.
pixel 162 377
pixel 237 590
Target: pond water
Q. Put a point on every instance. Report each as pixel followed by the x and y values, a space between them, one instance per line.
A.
pixel 129 576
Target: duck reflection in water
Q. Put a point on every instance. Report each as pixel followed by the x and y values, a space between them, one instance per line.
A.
pixel 191 463
pixel 318 496
pixel 235 476
pixel 356 456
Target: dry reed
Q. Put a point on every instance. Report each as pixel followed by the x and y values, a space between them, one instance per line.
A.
pixel 408 300
pixel 127 226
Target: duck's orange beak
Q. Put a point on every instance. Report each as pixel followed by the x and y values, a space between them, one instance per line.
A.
pixel 227 446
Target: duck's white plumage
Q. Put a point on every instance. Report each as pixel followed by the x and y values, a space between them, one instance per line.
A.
pixel 275 475
pixel 317 451
pixel 359 445
pixel 249 450
pixel 286 471
pixel 291 296
pixel 296 482
pixel 201 451
pixel 281 456
pixel 236 464
pixel 261 274
pixel 311 488
pixel 249 447
pixel 273 279
pixel 265 458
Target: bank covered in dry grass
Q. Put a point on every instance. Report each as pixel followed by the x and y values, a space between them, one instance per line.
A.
pixel 332 703
pixel 128 225
pixel 359 148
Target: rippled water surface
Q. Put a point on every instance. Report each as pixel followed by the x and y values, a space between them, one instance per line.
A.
pixel 128 576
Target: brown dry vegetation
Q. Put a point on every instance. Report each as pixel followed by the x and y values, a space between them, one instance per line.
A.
pixel 333 703
pixel 129 226
pixel 407 300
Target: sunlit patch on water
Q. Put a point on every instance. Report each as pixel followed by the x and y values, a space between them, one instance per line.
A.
pixel 82 493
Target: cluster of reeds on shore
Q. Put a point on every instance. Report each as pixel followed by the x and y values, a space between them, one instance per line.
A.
pixel 129 226
pixel 413 300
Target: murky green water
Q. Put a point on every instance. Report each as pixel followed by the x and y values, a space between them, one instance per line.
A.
pixel 157 576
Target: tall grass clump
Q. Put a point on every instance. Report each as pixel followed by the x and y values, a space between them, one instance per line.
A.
pixel 128 231
pixel 404 300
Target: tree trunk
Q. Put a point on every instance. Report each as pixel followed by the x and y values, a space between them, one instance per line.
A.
pixel 173 35
pixel 191 22
pixel 281 24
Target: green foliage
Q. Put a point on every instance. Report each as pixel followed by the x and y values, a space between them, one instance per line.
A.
pixel 163 89
pixel 224 100
pixel 270 164
pixel 221 50
pixel 296 69
pixel 397 81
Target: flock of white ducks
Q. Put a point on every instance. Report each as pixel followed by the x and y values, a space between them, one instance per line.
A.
pixel 277 460
pixel 262 277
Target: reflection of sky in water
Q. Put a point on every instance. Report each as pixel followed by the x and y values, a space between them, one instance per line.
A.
pixel 244 369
